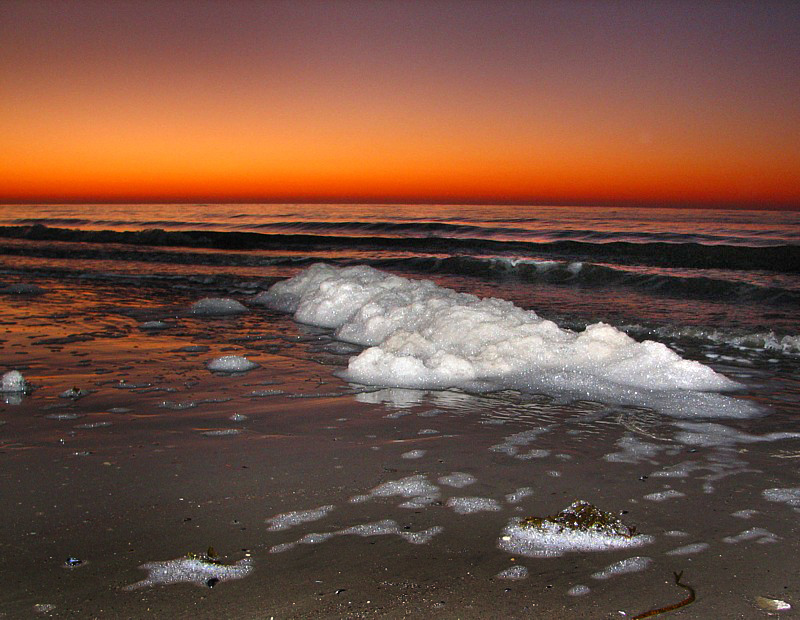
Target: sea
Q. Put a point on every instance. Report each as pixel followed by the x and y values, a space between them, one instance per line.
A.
pixel 97 302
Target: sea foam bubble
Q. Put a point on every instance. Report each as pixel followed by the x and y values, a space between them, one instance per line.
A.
pixel 231 363
pixel 13 381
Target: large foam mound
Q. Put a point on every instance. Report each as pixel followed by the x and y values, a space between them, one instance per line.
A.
pixel 421 335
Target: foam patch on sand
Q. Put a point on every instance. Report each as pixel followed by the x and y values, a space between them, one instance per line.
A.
pixel 689 549
pixel 217 306
pixel 790 496
pixel 263 393
pixel 417 489
pixel 757 534
pixel 222 432
pixel 387 527
pixel 286 520
pixel 661 496
pixel 420 335
pixel 470 505
pixel 191 570
pixel 231 363
pixel 513 573
pixel 517 496
pixel 549 541
pixel 512 444
pixel 457 479
pixel 634 450
pixel 631 565
pixel 747 513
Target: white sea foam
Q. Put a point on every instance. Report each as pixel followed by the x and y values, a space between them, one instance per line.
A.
pixel 457 479
pixel 386 527
pixel 512 444
pixel 421 335
pixel 286 520
pixel 631 565
pixel 578 590
pixel 789 495
pixel 413 454
pixel 634 450
pixel 263 393
pixel 513 573
pixel 90 425
pixel 758 534
pixel 314 538
pixel 231 363
pixel 217 306
pixel 517 496
pixel 679 470
pixel 191 570
pixel 417 489
pixel 63 416
pixel 222 432
pixel 394 397
pixel 13 381
pixel 711 434
pixel 747 513
pixel 689 549
pixel 470 505
pixel 552 541
pixel 661 496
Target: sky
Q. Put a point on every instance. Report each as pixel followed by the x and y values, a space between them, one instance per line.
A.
pixel 554 102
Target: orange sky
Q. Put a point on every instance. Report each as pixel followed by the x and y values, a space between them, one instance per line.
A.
pixel 558 102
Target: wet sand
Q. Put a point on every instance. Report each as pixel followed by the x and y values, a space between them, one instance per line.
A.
pixel 154 485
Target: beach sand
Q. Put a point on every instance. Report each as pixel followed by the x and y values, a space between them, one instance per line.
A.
pixel 144 464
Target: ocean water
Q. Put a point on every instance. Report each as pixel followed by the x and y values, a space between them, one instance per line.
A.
pixel 105 311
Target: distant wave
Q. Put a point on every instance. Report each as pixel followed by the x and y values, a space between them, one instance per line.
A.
pixel 485 230
pixel 565 272
pixel 591 275
pixel 782 259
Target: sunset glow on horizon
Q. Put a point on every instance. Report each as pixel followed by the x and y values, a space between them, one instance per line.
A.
pixel 556 102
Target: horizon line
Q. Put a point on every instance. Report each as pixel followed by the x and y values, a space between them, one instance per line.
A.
pixel 627 204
